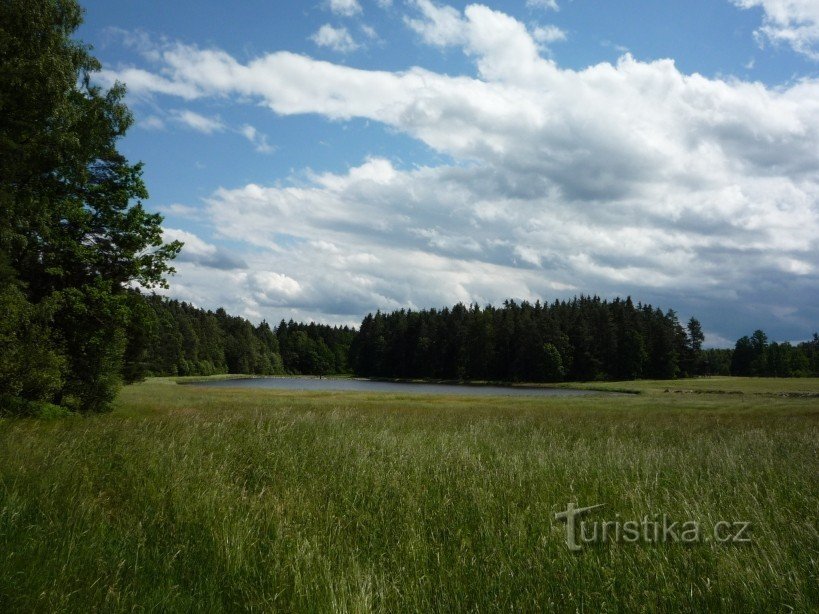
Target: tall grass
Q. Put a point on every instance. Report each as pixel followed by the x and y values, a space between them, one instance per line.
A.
pixel 216 499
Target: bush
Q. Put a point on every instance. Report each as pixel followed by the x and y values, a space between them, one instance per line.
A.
pixel 17 407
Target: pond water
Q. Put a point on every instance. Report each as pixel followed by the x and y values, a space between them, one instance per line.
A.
pixel 364 385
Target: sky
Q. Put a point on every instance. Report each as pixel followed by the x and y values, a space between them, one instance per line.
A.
pixel 328 158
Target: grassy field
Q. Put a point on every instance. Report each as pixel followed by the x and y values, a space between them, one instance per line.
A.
pixel 195 499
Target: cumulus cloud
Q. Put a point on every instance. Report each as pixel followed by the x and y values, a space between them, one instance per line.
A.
pixel 468 239
pixel 337 39
pixel 548 34
pixel 793 22
pixel 273 289
pixel 346 8
pixel 204 254
pixel 503 47
pixel 620 178
pixel 437 25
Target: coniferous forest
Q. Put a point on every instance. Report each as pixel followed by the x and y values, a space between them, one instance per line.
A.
pixel 176 338
pixel 583 339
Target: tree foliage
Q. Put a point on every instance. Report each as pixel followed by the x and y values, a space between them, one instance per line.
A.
pixel 583 339
pixel 176 338
pixel 586 338
pixel 755 356
pixel 73 233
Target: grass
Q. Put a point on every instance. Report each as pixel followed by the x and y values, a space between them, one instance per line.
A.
pixel 217 499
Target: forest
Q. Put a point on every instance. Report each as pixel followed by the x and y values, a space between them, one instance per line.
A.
pixel 582 339
pixel 176 338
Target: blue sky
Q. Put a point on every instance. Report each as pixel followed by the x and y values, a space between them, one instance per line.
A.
pixel 322 160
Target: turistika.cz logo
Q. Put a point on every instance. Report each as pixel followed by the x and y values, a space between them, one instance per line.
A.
pixel 651 529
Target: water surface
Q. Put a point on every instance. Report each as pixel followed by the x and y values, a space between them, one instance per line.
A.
pixel 364 385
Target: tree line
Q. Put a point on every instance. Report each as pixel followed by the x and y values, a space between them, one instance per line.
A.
pixel 755 356
pixel 586 338
pixel 176 338
pixel 582 339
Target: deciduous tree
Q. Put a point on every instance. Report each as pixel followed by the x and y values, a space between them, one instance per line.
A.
pixel 72 227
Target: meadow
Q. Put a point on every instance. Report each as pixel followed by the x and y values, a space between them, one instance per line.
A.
pixel 213 499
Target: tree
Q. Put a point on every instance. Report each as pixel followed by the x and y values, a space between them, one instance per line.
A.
pixel 742 356
pixel 633 355
pixel 663 346
pixel 695 334
pixel 716 362
pixel 72 228
pixel 693 359
pixel 552 363
pixel 759 341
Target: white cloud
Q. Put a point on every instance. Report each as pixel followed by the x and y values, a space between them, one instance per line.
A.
pixel 200 123
pixel 199 252
pixel 459 232
pixel 620 178
pixel 346 8
pixel 180 210
pixel 543 4
pixel 144 83
pixel 793 22
pixel 337 39
pixel 548 34
pixel 369 31
pixel 152 122
pixel 502 45
pixel 441 25
pixel 271 288
pixel 210 125
pixel 258 139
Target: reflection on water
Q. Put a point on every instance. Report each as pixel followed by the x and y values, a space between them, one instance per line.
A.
pixel 362 385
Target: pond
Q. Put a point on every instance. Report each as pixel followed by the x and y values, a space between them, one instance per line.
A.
pixel 364 385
